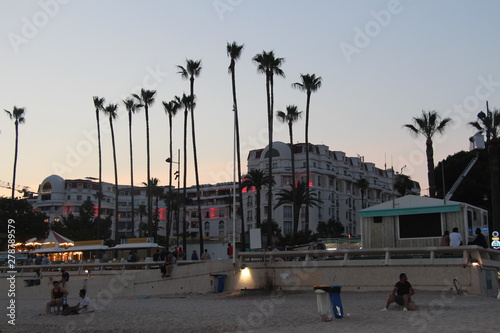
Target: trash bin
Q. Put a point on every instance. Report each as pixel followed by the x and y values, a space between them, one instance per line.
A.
pixel 324 302
pixel 337 309
pixel 217 282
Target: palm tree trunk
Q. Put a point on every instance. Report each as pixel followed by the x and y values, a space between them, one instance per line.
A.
pixel 430 168
pixel 195 157
pixel 150 199
pixel 184 190
pixel 99 196
pixel 131 172
pixel 15 160
pixel 116 177
pixel 238 156
pixel 169 206
pixel 308 183
pixel 295 216
pixel 257 202
pixel 270 103
pixel 494 155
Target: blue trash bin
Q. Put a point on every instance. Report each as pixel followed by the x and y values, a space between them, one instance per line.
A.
pixel 217 282
pixel 337 309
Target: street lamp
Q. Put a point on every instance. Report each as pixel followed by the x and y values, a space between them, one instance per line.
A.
pixel 177 175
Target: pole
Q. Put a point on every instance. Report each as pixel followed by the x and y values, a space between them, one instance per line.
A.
pixel 178 193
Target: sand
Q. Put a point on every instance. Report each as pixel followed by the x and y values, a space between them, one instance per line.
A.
pixel 278 312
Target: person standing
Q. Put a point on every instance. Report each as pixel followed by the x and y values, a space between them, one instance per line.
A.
pixel 230 251
pixel 194 255
pixel 401 294
pixel 205 255
pixel 455 238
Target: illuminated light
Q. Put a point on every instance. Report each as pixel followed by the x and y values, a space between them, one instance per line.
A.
pixel 245 272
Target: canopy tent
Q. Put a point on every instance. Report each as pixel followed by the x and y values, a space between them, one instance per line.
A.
pixel 58 239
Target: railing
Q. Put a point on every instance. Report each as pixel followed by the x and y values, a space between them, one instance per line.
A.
pixel 87 268
pixel 442 255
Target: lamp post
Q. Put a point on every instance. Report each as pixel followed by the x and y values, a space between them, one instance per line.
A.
pixel 177 175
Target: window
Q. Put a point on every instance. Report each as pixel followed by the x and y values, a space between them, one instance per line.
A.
pixel 79 186
pixel 286 180
pixel 249 201
pixel 206 228
pixel 47 188
pixel 221 228
pixel 287 227
pixel 249 216
pixel 69 197
pixel 287 212
pixel 78 197
pixel 421 225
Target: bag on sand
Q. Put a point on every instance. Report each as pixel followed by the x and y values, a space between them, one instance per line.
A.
pixel 412 306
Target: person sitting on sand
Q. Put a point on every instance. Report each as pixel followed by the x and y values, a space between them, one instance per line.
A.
pixel 81 307
pixel 401 294
pixel 56 297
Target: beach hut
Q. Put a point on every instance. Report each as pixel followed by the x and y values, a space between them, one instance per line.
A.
pixel 415 221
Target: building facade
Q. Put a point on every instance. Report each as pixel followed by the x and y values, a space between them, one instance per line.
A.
pixel 58 197
pixel 333 177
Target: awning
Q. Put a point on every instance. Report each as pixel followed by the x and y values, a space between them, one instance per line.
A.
pixel 135 246
pixel 49 250
pixel 87 248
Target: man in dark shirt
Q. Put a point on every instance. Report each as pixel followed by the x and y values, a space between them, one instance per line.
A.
pixel 480 239
pixel 401 294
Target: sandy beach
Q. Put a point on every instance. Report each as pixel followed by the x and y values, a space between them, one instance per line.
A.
pixel 277 312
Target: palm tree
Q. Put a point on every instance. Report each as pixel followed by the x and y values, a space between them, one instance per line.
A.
pixel 146 99
pixel 171 109
pixel 269 65
pixel 489 123
pixel 157 192
pixel 141 211
pixel 403 184
pixel 17 115
pixel 291 116
pixel 256 179
pixel 428 125
pixel 191 71
pixel 132 108
pixel 297 196
pixel 363 185
pixel 99 106
pixel 234 52
pixel 309 83
pixel 111 112
pixel 185 102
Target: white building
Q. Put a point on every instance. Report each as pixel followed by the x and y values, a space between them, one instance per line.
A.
pixel 58 197
pixel 333 177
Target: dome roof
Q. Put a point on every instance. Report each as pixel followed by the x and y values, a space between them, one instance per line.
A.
pixel 53 183
pixel 280 150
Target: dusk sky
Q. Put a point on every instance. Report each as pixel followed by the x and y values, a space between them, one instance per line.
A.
pixel 382 63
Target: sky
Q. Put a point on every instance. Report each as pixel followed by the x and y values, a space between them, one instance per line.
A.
pixel 381 63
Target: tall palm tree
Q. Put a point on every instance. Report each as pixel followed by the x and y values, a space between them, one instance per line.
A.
pixel 256 179
pixel 171 109
pixel 291 116
pixel 132 107
pixel 185 101
pixel 146 100
pixel 309 83
pixel 191 71
pixel 363 185
pixel 297 196
pixel 17 114
pixel 99 106
pixel 110 111
pixel 269 65
pixel 234 52
pixel 428 125
pixel 489 123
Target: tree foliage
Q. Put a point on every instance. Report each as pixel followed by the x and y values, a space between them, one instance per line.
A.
pixel 84 226
pixel 28 222
pixel 330 229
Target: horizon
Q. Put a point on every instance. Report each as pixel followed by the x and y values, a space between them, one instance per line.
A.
pixel 382 63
